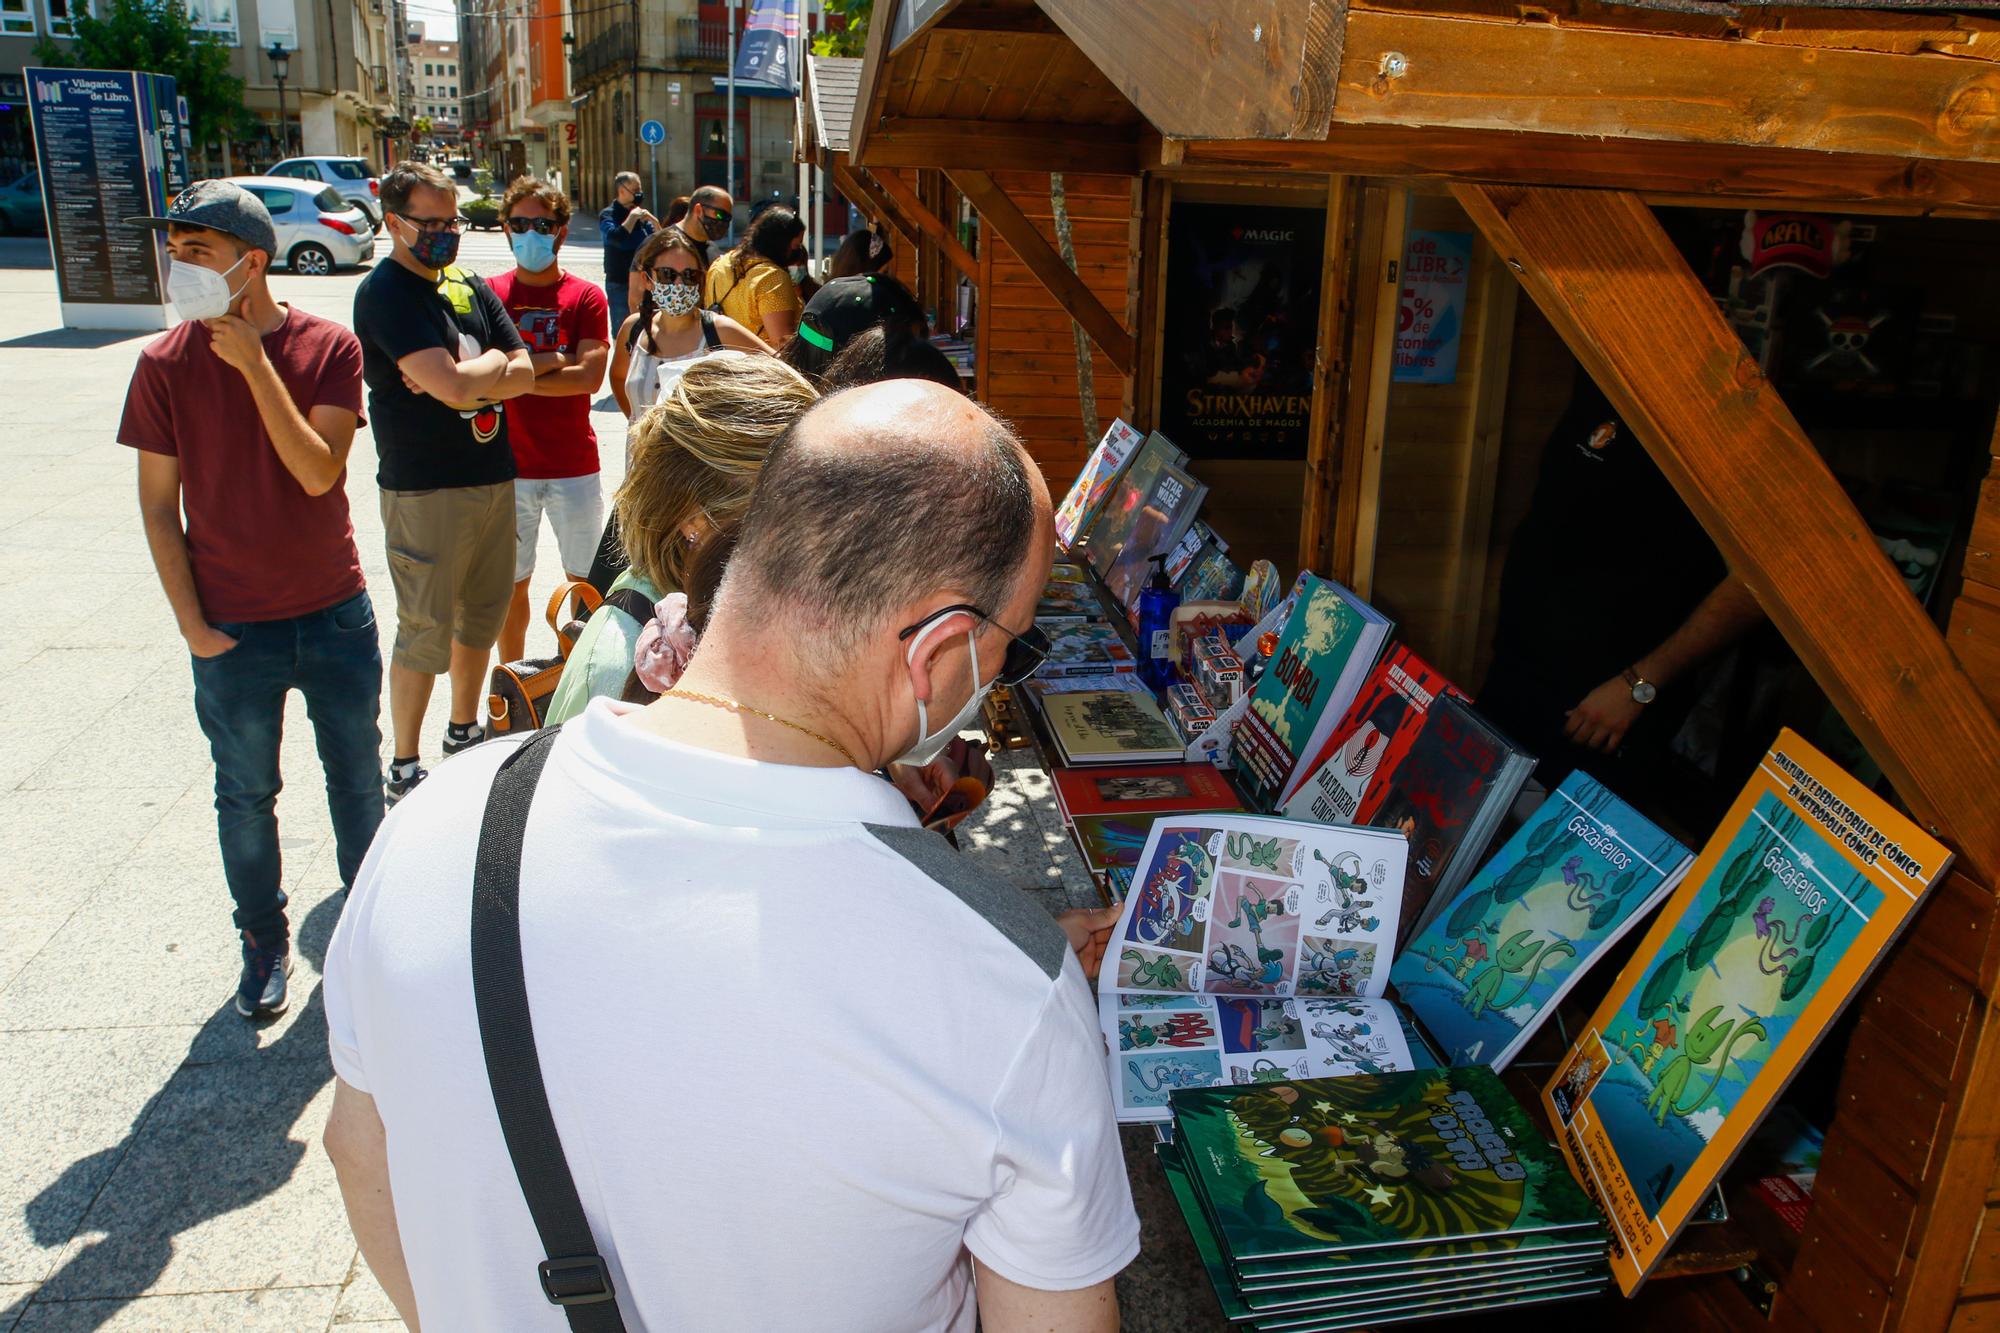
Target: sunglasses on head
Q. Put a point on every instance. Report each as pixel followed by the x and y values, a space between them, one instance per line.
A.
pixel 667 277
pixel 1026 651
pixel 522 226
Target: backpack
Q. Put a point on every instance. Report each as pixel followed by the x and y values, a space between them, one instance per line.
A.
pixel 518 693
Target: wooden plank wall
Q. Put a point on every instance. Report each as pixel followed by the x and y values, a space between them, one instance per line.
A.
pixel 1027 373
pixel 1975 617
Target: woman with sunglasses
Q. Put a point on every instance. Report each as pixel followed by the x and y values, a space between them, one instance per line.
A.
pixel 670 331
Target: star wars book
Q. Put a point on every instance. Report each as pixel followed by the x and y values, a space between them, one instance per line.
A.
pixel 1086 494
pixel 1328 646
pixel 1109 727
pixel 1448 789
pixel 1105 538
pixel 1500 953
pixel 1162 1042
pixel 1165 511
pixel 1375 1166
pixel 1794 899
pixel 1110 813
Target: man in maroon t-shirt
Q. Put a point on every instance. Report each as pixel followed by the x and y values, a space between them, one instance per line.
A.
pixel 565 323
pixel 243 416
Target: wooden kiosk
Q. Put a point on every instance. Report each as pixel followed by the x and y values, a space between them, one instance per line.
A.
pixel 1552 132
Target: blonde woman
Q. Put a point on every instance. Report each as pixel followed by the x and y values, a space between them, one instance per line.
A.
pixel 670 331
pixel 694 458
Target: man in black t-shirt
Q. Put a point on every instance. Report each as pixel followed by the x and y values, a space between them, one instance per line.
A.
pixel 1611 596
pixel 439 355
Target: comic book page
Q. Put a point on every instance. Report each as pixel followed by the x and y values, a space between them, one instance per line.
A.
pixel 1795 898
pixel 1162 1042
pixel 1249 905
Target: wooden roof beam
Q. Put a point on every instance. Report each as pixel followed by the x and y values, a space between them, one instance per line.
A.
pixel 1606 275
pixel 1002 146
pixel 861 188
pixel 905 196
pixel 1248 69
pixel 1686 173
pixel 1399 68
pixel 1006 220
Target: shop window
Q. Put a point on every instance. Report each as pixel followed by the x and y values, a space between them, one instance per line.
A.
pixel 17 18
pixel 62 15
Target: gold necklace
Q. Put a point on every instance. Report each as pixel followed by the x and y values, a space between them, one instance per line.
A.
pixel 732 706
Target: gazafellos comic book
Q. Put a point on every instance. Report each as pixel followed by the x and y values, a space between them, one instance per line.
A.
pixel 1784 913
pixel 1495 959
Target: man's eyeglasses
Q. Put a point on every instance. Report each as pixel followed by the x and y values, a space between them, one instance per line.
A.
pixel 1026 651
pixel 716 221
pixel 434 225
pixel 667 277
pixel 522 226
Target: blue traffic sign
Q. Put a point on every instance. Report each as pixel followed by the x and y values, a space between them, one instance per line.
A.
pixel 652 132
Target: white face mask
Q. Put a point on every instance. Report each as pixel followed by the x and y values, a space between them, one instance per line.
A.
pixel 931 744
pixel 200 293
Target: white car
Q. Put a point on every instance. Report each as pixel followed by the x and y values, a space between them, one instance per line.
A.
pixel 352 177
pixel 318 231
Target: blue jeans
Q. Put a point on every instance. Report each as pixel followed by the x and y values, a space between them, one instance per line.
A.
pixel 334 658
pixel 616 291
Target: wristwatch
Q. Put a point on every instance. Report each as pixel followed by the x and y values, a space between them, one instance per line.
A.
pixel 1643 690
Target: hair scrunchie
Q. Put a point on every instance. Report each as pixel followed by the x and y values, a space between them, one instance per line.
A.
pixel 665 644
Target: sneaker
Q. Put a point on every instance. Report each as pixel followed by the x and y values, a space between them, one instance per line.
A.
pixel 261 992
pixel 458 737
pixel 403 780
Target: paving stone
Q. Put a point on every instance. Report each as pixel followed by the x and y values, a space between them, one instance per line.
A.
pixel 281 1310
pixel 22 936
pixel 363 1301
pixel 13 1300
pixel 224 1186
pixel 73 1100
pixel 57 846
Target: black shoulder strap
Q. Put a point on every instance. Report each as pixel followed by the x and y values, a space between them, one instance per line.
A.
pixel 632 602
pixel 709 333
pixel 575 1276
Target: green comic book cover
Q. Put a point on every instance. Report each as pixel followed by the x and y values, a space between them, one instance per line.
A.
pixel 1398 1312
pixel 1373 1160
pixel 1537 1249
pixel 1463 1284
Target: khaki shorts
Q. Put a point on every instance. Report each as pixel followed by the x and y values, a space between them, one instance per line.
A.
pixel 451 560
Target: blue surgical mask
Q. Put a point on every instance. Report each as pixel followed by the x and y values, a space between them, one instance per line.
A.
pixel 533 251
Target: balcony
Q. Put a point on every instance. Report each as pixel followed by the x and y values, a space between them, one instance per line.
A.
pixel 699 44
pixel 608 50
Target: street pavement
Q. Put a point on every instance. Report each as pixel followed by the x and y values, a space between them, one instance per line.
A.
pixel 160 1165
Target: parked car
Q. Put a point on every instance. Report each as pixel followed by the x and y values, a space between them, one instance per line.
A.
pixel 318 230
pixel 351 176
pixel 21 207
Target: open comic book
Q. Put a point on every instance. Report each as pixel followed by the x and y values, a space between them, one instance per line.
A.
pixel 1300 915
pixel 1796 897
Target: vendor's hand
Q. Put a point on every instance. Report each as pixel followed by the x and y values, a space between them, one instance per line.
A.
pixel 235 341
pixel 208 641
pixel 1603 717
pixel 1089 930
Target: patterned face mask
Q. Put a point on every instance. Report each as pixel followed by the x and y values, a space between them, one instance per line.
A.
pixel 675 298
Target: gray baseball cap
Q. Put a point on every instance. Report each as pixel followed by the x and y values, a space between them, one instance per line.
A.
pixel 222 206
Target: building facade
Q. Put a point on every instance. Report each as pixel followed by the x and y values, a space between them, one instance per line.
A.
pixel 341 84
pixel 668 60
pixel 435 86
pixel 517 114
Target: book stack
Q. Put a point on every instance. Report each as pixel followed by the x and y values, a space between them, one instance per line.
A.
pixel 1110 811
pixel 1109 727
pixel 1375 1199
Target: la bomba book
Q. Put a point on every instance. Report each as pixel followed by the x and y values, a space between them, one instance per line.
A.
pixel 1789 906
pixel 1328 645
pixel 1497 957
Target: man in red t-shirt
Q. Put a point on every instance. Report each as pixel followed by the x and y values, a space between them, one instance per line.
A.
pixel 243 416
pixel 565 323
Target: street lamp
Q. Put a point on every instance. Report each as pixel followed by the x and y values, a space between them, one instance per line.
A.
pixel 281 65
